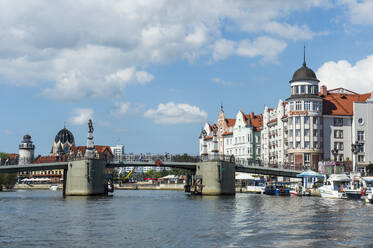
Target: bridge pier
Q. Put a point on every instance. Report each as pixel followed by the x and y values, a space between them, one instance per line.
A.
pixel 214 178
pixel 85 177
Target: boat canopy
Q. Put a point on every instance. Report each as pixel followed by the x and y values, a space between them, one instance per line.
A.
pixel 310 173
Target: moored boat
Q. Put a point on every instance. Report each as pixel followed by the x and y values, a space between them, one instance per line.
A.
pixel 335 186
pixel 280 189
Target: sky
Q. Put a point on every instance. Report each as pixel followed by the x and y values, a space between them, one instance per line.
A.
pixel 151 73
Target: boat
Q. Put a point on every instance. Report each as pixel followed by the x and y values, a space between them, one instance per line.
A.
pixel 255 186
pixel 280 189
pixel 296 190
pixel 53 187
pixel 335 186
pixel 357 187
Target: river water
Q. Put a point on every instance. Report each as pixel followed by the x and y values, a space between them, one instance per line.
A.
pixel 174 219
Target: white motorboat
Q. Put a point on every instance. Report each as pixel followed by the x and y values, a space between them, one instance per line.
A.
pixel 53 187
pixel 335 186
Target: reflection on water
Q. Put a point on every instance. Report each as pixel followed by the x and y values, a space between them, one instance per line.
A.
pixel 174 219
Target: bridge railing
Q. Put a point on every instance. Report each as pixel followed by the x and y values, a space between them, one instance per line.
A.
pixel 251 162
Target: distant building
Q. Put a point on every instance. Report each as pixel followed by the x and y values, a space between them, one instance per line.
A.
pixel 118 152
pixel 26 151
pixel 238 138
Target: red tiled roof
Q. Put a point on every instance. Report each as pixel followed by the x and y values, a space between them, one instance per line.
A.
pixel 230 122
pixel 255 120
pixel 13 156
pixel 341 103
pixel 227 133
pixel 48 159
pixel 100 149
pixel 272 121
pixel 208 137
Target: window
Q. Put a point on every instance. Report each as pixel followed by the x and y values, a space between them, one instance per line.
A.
pixel 309 89
pixel 306 132
pixel 315 90
pixel 292 158
pixel 315 145
pixel 360 135
pixel 307 105
pixel 290 145
pixel 290 121
pixel 307 157
pixel 306 120
pixel 297 132
pixel 296 89
pixel 362 148
pixel 338 134
pixel 314 106
pixel 338 146
pixel 298 105
pixel 361 121
pixel 306 144
pixel 292 106
pixel 314 120
pixel 315 132
pixel 302 89
pixel 338 122
pixel 360 158
pixel 340 157
pixel 297 144
pixel 297 120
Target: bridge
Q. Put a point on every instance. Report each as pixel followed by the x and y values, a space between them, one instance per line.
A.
pixel 88 176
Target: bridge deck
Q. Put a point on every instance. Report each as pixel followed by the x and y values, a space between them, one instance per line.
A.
pixel 177 165
pixel 268 171
pixel 33 167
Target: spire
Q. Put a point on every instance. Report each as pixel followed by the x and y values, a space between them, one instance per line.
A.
pixel 64 125
pixel 221 107
pixel 304 55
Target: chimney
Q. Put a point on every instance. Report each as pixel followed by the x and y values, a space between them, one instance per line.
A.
pixel 252 115
pixel 323 90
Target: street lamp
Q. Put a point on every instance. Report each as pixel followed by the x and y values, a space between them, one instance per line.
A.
pixel 355 148
pixel 335 153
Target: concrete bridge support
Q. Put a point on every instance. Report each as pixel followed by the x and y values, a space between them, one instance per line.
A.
pixel 217 178
pixel 85 177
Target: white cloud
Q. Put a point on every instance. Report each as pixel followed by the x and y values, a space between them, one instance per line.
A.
pixel 224 83
pixel 81 116
pixel 264 46
pixel 171 113
pixel 99 40
pixel 360 12
pixel 358 77
pixel 120 108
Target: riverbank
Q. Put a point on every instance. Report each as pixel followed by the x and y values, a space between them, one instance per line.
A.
pixel 139 186
pixel 126 186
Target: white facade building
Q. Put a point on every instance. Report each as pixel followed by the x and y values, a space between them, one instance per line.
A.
pixel 274 133
pixel 118 152
pixel 239 137
pixel 362 132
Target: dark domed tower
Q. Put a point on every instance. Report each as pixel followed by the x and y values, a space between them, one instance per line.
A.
pixel 63 141
pixel 305 119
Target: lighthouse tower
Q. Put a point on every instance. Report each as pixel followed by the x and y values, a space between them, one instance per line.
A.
pixel 26 150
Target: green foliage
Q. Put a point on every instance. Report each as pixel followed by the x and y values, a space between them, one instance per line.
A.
pixel 8 180
pixel 183 158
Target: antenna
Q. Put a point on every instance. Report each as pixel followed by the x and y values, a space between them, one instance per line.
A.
pixel 304 55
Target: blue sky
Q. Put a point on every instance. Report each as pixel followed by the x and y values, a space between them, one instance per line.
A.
pixel 150 73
